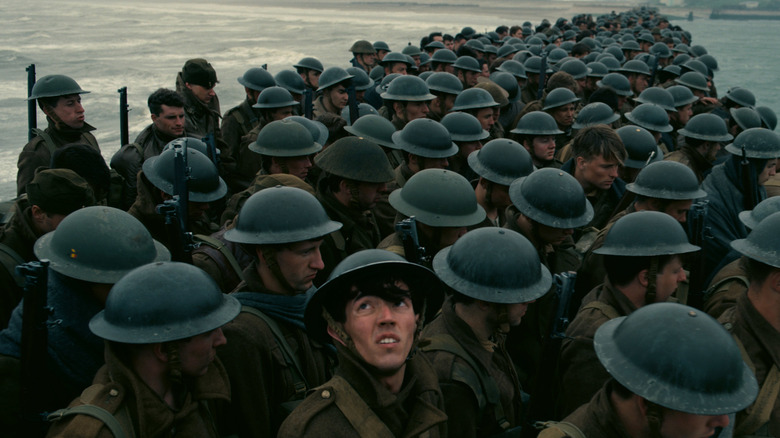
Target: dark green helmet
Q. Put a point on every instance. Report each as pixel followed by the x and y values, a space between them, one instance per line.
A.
pixel 709 61
pixel 394 57
pixel 470 267
pixel 357 159
pixel 310 63
pixel 756 143
pixel 204 185
pixel 635 66
pixel 565 207
pixel 425 287
pixel 467 63
pixel 333 76
pixel 694 80
pixel 641 148
pixel 660 50
pixel 444 56
pixel 745 117
pixel 658 96
pixel 616 52
pixel 679 60
pixel 645 234
pixel 438 45
pixel 651 117
pixel 408 88
pixel 592 114
pixel 280 215
pixel 667 180
pixel 54 86
pixel 507 50
pixel 514 68
pixel 257 79
pixel 609 61
pixel 537 123
pixel 318 131
pixel 426 138
pixel 741 96
pixel 364 109
pixel 597 69
pixel 290 81
pixel 499 95
pixel 274 97
pixel 381 45
pixel 285 138
pixel 631 45
pixel 361 81
pixel 522 56
pixel 475 45
pixel 559 97
pixel 145 306
pixel 617 82
pixel 411 50
pixel 501 161
pixel 385 82
pixel 695 65
pixel 374 128
pixel 534 65
pixel 555 55
pixel 464 127
pixel 765 208
pixel 508 83
pixel 362 47
pixel 99 244
pixel 663 353
pixel 768 117
pixel 444 82
pixel 707 127
pixel 576 68
pixel 474 98
pixel 438 198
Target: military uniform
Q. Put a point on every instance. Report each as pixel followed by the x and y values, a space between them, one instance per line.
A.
pixel 581 373
pixel 354 397
pixel 726 287
pixel 604 202
pixel 469 414
pixel 211 259
pixel 595 419
pixel 38 151
pixel 384 213
pixel 261 379
pixel 19 236
pixel 248 162
pixel 140 410
pixel 761 344
pixel 200 118
pixel 237 122
pixel 318 108
pixel 693 159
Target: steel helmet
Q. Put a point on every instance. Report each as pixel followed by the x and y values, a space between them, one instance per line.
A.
pixel 394 57
pixel 464 127
pixel 444 56
pixel 408 88
pixel 470 267
pixel 364 109
pixel 285 138
pixel 99 244
pixel 411 50
pixel 357 159
pixel 145 306
pixel 768 117
pixel 204 184
pixel 54 86
pixel 663 353
pixel 765 208
pixel 617 82
pixel 745 117
pixel 644 234
pixel 559 97
pixel 467 63
pixel 537 123
pixel 381 45
pixel 757 143
pixel 257 79
pixel 501 161
pixel 658 96
pixel 576 68
pixel 761 243
pixel 375 128
pixel 707 127
pixel 513 67
pixel 361 81
pixel 651 117
pixel 290 81
pixel 318 131
pixel 597 69
pixel 741 96
pixel 474 98
pixel 667 180
pixel 444 82
pixel 362 47
pixel 592 114
pixel 438 198
pixel 640 145
pixel 310 63
pixel 508 83
pixel 694 80
pixel 333 76
pixel 280 215
pixel 426 138
pixel 274 97
pixel 564 208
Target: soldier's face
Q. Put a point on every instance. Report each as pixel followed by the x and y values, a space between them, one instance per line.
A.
pixel 469 78
pixel 299 263
pixel 202 93
pixel 298 166
pixel 416 110
pixel 543 148
pixel 768 172
pixel 676 424
pixel 467 147
pixel 553 236
pixel 668 278
pixel 597 172
pixel 338 96
pixel 485 117
pixel 516 312
pixel 70 111
pixel 398 67
pixel 563 115
pixel 679 210
pixel 311 78
pixel 383 331
pixel 199 352
pixel 683 114
pixel 380 54
pixel 369 194
pixel 281 113
pixel 170 121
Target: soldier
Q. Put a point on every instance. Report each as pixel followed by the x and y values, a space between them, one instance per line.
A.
pixel 703 136
pixel 620 85
pixel 283 228
pixel 196 82
pixel 442 61
pixel 395 62
pixel 498 164
pixel 479 103
pixel 501 98
pixel 365 56
pixel 59 97
pixel 292 82
pixel 663 382
pixel 333 86
pixel 533 66
pixel 167 112
pixel 467 69
pixel 372 309
pixel 310 70
pixel 466 342
pixel 355 173
pixel 157 183
pixel 651 117
pixel 641 149
pixel 438 224
pixel 406 99
pixel 560 103
pixel 239 120
pixel 536 131
pixel 638 75
pixel 91 249
pixel 161 370
pixel 642 257
pixel 683 100
pixel 51 196
pixel 446 87
pixel 382 49
pixel 736 185
pixel 467 133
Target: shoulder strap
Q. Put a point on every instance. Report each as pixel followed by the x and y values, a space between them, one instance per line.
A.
pixel 761 410
pixel 46 139
pixel 605 308
pixel 225 251
pixel 559 429
pixel 289 357
pixel 339 240
pixel 93 411
pixel 488 393
pixel 9 259
pixel 715 288
pixel 360 416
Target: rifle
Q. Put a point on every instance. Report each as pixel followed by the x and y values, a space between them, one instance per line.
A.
pixel 175 209
pixel 697 234
pixel 308 103
pixel 211 148
pixel 35 314
pixel 542 76
pixel 407 229
pixel 124 136
pixel 32 114
pixel 354 112
pixel 564 289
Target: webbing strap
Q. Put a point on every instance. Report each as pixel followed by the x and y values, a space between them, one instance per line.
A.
pixel 93 411
pixel 46 139
pixel 605 308
pixel 10 262
pixel 761 410
pixel 360 416
pixel 225 251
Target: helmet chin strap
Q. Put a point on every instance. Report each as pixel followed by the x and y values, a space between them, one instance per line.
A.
pixel 652 272
pixel 269 255
pixel 654 419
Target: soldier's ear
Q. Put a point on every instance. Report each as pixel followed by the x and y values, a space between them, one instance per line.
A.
pixel 335 336
pixel 642 278
pixel 160 352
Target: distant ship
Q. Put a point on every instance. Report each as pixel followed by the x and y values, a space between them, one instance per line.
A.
pixel 745 13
